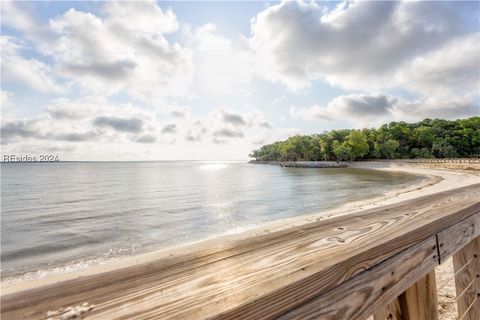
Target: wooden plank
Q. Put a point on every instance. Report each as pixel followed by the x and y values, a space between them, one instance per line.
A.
pixel 361 296
pixel 420 300
pixel 467 285
pixel 457 236
pixel 258 277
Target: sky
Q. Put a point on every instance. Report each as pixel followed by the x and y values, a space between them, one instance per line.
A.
pixel 150 80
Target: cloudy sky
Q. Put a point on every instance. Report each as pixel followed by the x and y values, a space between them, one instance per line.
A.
pixel 191 80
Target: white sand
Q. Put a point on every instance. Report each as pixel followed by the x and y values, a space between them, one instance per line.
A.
pixel 441 179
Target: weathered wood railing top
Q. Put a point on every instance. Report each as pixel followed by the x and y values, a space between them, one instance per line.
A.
pixel 341 268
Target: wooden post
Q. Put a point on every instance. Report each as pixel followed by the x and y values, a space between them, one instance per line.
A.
pixel 389 312
pixel 463 281
pixel 417 302
pixel 420 300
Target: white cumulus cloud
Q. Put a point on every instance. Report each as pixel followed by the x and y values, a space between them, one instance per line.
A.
pixel 124 49
pixel 26 71
pixel 364 45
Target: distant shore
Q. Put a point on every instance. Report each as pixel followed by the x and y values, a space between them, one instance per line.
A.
pixel 444 163
pixel 304 164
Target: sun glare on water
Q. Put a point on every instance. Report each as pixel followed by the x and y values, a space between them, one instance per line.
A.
pixel 213 166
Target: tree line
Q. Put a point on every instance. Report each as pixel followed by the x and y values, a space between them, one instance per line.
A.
pixel 430 138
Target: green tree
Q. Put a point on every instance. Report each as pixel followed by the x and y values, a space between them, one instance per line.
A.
pixel 386 150
pixel 342 151
pixel 422 153
pixel 326 147
pixel 441 149
pixel 424 136
pixel 357 143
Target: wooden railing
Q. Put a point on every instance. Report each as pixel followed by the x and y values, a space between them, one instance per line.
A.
pixel 376 262
pixel 429 160
pixel 419 301
pixel 444 160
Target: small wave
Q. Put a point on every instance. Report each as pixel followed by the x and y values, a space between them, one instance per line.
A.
pixel 57 269
pixel 43 273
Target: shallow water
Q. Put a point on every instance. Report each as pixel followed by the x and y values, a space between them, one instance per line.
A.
pixel 61 216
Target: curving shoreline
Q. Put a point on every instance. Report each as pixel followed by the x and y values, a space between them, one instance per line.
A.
pixel 304 164
pixel 435 181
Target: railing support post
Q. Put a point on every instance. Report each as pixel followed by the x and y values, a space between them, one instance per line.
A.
pixel 417 302
pixel 420 300
pixel 467 284
pixel 389 312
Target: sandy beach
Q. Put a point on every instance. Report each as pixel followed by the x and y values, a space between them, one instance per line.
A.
pixel 436 180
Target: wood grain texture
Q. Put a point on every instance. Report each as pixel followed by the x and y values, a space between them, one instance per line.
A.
pixel 361 296
pixel 419 301
pixel 390 311
pixel 467 283
pixel 266 276
pixel 457 236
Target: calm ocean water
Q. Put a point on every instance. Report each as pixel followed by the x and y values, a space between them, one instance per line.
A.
pixel 61 216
